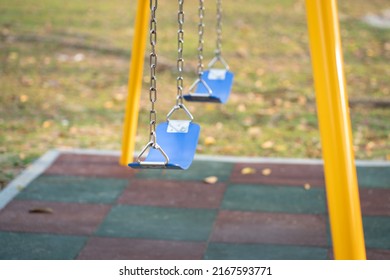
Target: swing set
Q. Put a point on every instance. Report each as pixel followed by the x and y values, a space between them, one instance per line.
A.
pixel 172 144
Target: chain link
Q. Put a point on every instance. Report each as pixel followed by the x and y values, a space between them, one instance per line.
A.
pixel 180 47
pixel 218 50
pixel 201 25
pixel 153 65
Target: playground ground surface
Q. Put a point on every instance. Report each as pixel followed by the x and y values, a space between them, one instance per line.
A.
pixel 64 76
pixel 81 204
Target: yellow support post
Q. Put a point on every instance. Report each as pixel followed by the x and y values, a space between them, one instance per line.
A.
pixel 135 82
pixel 335 128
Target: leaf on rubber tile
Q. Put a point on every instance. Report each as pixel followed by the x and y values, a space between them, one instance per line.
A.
pixel 248 170
pixel 266 171
pixel 211 180
pixel 41 210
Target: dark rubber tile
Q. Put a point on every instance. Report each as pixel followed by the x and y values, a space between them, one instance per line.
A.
pixel 375 202
pixel 74 189
pixel 89 165
pixel 274 199
pixel 65 218
pixel 378 254
pixel 158 223
pixel 372 254
pixel 103 248
pixel 374 176
pixel 30 246
pixel 377 232
pixel 185 194
pixel 274 228
pixel 226 251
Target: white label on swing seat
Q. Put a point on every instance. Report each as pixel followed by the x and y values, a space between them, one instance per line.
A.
pixel 217 74
pixel 175 126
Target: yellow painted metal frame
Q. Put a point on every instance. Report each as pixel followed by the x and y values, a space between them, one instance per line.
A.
pixel 335 128
pixel 333 114
pixel 135 82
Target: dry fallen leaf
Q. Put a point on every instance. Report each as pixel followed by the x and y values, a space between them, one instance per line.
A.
pixel 47 124
pixel 41 210
pixel 307 186
pixel 228 149
pixel 278 101
pixel 211 180
pixel 254 131
pixel 248 170
pixel 302 100
pixel 108 104
pixel 241 108
pixel 267 145
pixel 209 140
pixel 266 171
pixel 370 145
pixel 23 98
pixel 119 96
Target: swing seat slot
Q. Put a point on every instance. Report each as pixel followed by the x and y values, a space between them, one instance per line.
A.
pixel 219 81
pixel 178 140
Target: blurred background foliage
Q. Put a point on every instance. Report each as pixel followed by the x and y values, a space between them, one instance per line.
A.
pixel 64 69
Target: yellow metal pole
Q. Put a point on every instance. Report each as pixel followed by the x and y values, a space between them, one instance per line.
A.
pixel 335 128
pixel 135 82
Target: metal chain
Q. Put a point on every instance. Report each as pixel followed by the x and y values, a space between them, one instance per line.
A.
pixel 218 50
pixel 201 41
pixel 153 65
pixel 180 46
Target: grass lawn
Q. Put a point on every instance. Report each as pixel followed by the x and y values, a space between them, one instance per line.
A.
pixel 64 68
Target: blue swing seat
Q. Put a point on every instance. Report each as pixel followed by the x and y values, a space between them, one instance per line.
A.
pixel 219 82
pixel 177 142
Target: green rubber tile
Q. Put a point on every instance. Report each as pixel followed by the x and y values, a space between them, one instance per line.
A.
pixel 198 171
pixel 225 251
pixel 74 189
pixel 158 223
pixel 274 199
pixel 377 232
pixel 27 246
pixel 374 176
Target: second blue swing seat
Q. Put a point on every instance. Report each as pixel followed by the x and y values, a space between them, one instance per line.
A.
pixel 177 142
pixel 214 85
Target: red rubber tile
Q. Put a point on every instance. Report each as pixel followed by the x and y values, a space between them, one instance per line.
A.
pixel 281 174
pixel 378 254
pixel 66 218
pixel 274 228
pixel 375 202
pixel 102 248
pixel 372 254
pixel 182 194
pixel 89 165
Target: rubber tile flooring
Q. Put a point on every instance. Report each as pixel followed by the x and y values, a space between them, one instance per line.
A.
pixel 88 207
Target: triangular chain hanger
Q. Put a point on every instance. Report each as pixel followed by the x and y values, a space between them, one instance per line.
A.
pixel 173 143
pixel 214 84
